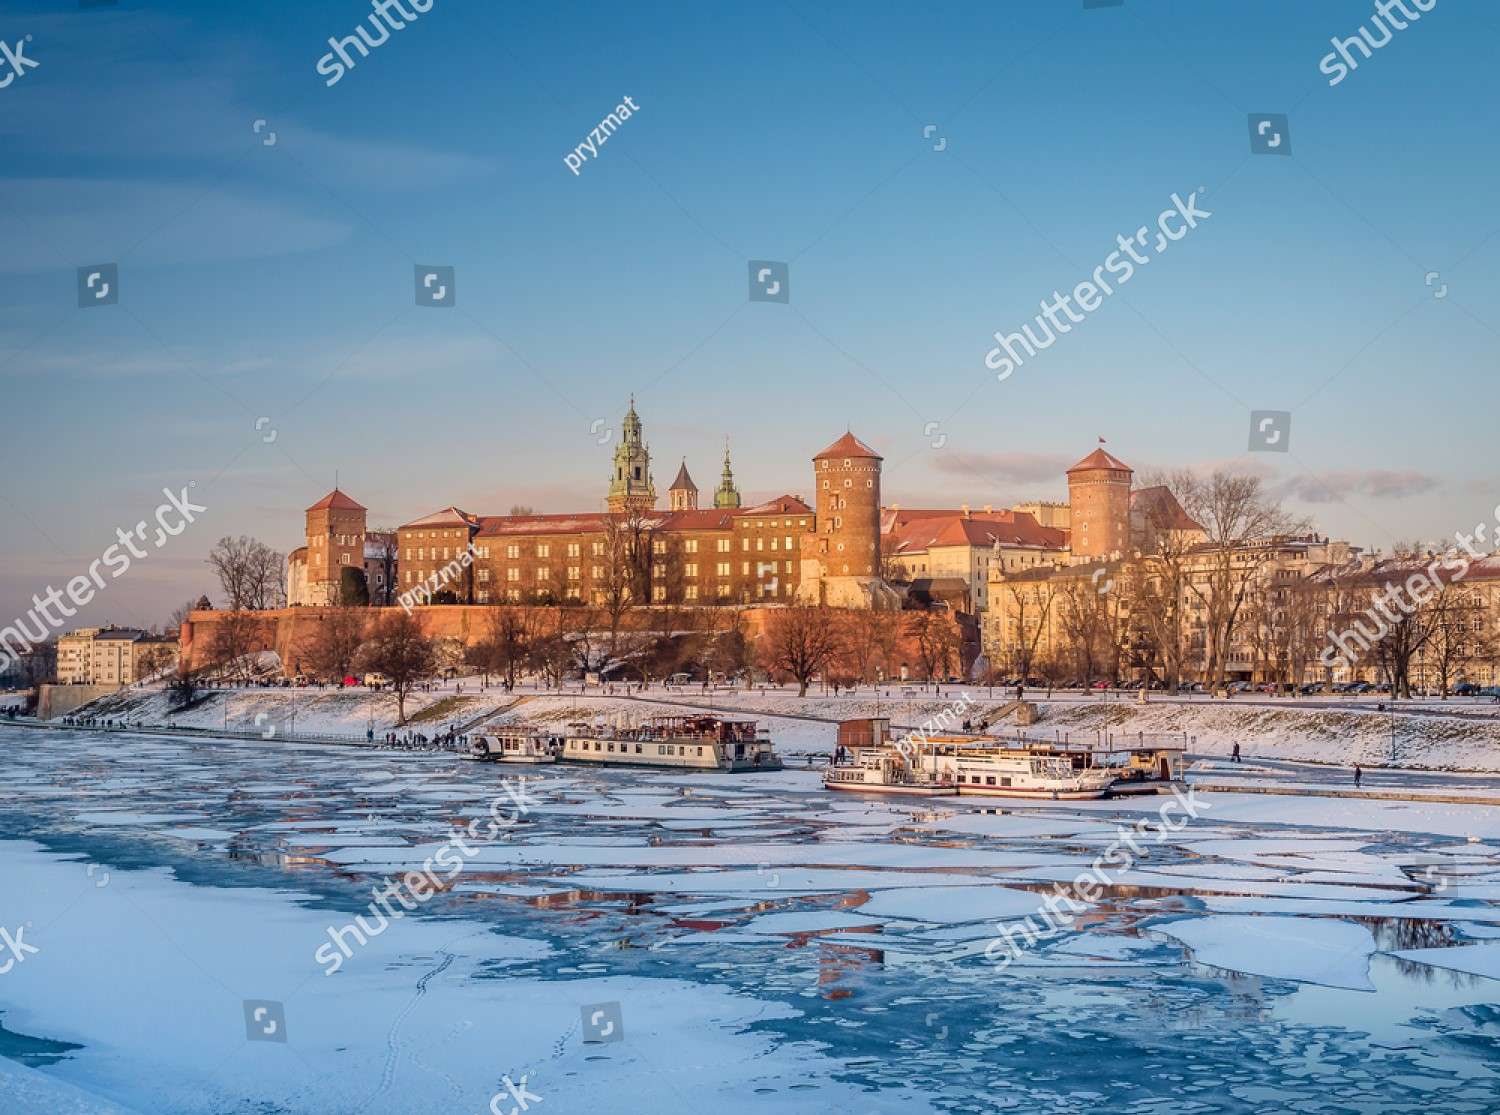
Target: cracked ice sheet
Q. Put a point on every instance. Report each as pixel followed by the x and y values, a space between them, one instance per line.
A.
pixel 165 1033
pixel 951 905
pixel 1419 908
pixel 1323 951
pixel 1476 960
pixel 685 855
pixel 783 882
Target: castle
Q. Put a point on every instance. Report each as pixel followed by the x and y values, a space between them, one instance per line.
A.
pixel 773 552
pixel 845 550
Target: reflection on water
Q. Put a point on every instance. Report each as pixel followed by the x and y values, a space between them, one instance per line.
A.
pixel 36 1052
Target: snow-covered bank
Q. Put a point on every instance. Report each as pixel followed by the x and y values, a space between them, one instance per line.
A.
pixel 1456 738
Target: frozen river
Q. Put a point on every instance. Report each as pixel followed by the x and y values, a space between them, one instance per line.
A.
pixel 746 943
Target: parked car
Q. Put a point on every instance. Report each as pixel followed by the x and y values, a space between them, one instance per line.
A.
pixel 1465 689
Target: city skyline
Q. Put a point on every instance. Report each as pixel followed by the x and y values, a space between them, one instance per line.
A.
pixel 266 226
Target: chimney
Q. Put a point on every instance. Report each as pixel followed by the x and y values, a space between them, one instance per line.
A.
pixel 964 507
pixel 988 510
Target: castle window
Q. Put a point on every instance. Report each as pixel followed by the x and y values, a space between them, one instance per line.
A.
pixel 513 551
pixel 846 462
pixel 848 483
pixel 637 472
pixel 574 572
pixel 788 542
pixel 690 546
pixel 596 571
pixel 598 549
pixel 513 574
pixel 690 569
pixel 543 574
pixel 724 545
pixel 691 592
pixel 573 549
pixel 543 550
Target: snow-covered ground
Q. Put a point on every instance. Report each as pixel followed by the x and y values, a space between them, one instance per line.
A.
pixel 760 944
pixel 1458 735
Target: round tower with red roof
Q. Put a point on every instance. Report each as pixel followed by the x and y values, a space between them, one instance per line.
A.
pixel 1099 505
pixel 845 551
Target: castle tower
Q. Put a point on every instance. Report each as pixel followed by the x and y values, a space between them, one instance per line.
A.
pixel 683 494
pixel 335 539
pixel 630 487
pixel 726 495
pixel 1099 505
pixel 844 555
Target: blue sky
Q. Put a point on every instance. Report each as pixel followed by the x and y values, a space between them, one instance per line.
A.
pixel 276 282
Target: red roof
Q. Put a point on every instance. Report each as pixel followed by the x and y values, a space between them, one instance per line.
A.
pixel 447 517
pixel 1161 505
pixel 849 446
pixel 1100 459
pixel 336 500
pixel 926 529
pixel 781 505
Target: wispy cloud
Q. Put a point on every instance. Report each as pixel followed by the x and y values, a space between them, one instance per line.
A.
pixel 1009 468
pixel 1336 487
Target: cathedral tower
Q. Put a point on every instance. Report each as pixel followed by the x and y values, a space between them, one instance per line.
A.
pixel 631 488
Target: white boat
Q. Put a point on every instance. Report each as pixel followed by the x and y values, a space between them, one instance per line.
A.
pixel 867 760
pixel 515 745
pixel 701 742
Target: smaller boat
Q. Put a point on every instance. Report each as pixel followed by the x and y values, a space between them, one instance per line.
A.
pixel 515 745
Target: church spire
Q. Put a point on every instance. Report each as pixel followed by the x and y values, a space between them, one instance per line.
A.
pixel 727 495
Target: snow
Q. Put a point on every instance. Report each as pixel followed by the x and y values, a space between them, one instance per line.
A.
pixel 1321 950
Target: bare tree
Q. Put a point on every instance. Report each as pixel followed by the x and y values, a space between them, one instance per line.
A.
pixel 236 636
pixel 505 646
pixel 252 575
pixel 384 541
pixel 800 641
pixel 870 643
pixel 936 640
pixel 334 644
pixel 1033 604
pixel 401 651
pixel 1238 518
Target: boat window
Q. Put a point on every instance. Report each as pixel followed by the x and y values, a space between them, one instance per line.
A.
pixel 611 747
pixel 598 747
pixel 700 750
pixel 989 780
pixel 637 749
pixel 1004 780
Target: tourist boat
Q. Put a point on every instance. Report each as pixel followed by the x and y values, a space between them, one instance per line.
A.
pixel 702 742
pixel 515 745
pixel 867 760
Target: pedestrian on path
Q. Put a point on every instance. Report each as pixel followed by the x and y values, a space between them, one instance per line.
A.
pixel 1358 774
